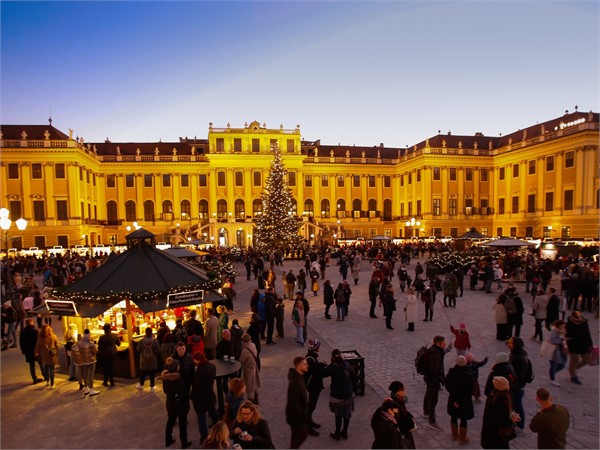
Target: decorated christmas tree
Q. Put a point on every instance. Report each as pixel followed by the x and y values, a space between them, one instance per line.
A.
pixel 276 228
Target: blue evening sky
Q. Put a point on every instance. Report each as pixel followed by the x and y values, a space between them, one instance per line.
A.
pixel 350 72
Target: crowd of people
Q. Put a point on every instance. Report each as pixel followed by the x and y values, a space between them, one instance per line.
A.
pixel 182 356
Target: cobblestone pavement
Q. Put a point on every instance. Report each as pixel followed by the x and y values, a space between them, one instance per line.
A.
pixel 123 417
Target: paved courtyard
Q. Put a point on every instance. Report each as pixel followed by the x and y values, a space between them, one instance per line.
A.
pixel 122 417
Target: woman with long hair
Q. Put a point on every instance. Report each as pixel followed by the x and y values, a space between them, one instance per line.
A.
pixel 218 438
pixel 250 430
pixel 47 349
pixel 236 395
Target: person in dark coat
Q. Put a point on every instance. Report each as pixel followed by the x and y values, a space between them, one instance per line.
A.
pixel 27 341
pixel 186 364
pixel 236 338
pixel 520 362
pixel 497 415
pixel 434 378
pixel 342 393
pixel 177 404
pixel 502 368
pixel 314 382
pixel 389 305
pixel 203 395
pixel 459 384
pixel 254 331
pixel 579 341
pixel 296 408
pixel 553 308
pixel 385 427
pixel 404 418
pixel 373 293
pixel 514 320
pixel 107 350
pixel 327 297
pixel 193 325
pixel 270 307
pixel 250 430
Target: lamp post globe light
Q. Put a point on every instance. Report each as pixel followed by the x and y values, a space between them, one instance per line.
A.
pixel 5 224
pixel 414 224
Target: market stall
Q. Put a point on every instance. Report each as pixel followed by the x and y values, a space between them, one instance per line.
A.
pixel 135 290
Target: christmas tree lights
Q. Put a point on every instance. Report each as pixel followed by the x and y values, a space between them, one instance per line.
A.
pixel 276 228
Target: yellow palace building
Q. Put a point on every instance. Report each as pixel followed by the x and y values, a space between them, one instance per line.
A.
pixel 540 181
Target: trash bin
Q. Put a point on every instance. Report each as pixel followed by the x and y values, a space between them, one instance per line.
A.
pixel 357 362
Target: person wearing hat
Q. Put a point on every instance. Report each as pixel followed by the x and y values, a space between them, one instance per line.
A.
pixel 385 427
pixel 459 384
pixel 462 342
pixel 498 417
pixel 177 402
pixel 502 368
pixel 404 418
pixel 314 382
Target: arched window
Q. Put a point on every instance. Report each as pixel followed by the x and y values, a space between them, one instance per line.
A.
pixel 186 210
pixel 203 209
pixel 148 210
pixel 130 213
pixel 341 208
pixel 387 209
pixel 167 207
pixel 372 205
pixel 111 211
pixel 222 209
pixel 257 207
pixel 239 208
pixel 309 207
pixel 325 208
pixel 356 207
pixel 294 207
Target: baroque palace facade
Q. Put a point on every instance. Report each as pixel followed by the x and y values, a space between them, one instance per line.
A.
pixel 541 181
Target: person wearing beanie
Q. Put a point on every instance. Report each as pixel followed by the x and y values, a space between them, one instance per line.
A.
pixel 177 402
pixel 459 384
pixel 498 417
pixel 314 382
pixel 88 350
pixel 502 368
pixel 385 427
pixel 462 342
pixel 404 418
pixel 473 367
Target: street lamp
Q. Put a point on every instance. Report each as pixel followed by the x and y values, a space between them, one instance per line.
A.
pixel 5 224
pixel 414 224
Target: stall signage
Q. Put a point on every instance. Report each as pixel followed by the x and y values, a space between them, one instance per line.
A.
pixel 185 298
pixel 61 307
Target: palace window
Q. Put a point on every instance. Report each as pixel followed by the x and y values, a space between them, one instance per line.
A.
pixel 257 207
pixel 203 209
pixel 468 174
pixel 239 208
pixel 62 212
pixel 290 146
pixel 166 179
pixel 483 173
pixel 452 173
pixel 148 210
pixel 39 210
pixel 515 204
pixel 36 171
pixel 13 171
pixel 437 206
pixel 291 178
pixel 549 163
pixel 372 181
pixel 111 212
pixel 501 173
pixel 256 145
pixel 309 207
pixel 221 179
pixel 111 181
pixel 237 144
pixel 515 168
pixel 220 145
pixel 387 181
pixel 531 167
pixel 148 180
pixel 185 180
pixel 409 177
pixel 500 207
pixel 129 180
pixel 452 206
pixel 130 212
pixel 202 180
pixel 257 178
pixel 531 203
pixel 239 179
pixel 222 209
pixel 59 170
pixel 437 174
pixel 418 175
pixel 569 159
pixel 186 210
pixel 307 180
pixel 340 181
pixel 356 181
pixel 273 145
pixel 568 203
pixel 325 209
pixel 324 180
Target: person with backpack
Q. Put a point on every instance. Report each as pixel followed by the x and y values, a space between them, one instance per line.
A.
pixel 149 352
pixel 514 312
pixel 431 366
pixel 524 370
